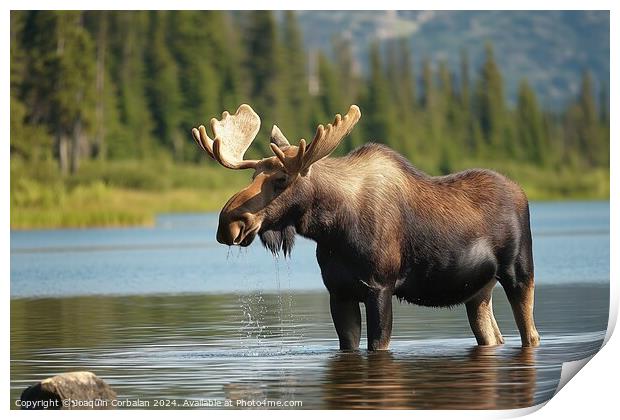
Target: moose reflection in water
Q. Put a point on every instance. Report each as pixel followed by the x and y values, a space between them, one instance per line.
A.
pixel 382 227
pixel 385 381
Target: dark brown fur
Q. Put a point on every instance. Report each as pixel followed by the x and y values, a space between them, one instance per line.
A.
pixel 384 228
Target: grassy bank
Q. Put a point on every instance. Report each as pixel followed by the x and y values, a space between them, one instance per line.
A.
pixel 131 193
pixel 116 194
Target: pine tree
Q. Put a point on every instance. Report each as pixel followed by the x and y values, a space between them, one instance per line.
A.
pixel 468 124
pixel 350 86
pixel 346 67
pixel 297 94
pixel 29 141
pixel 107 125
pixel 196 45
pixel 408 125
pixel 267 76
pixel 61 72
pixel 531 133
pixel 489 104
pixel 587 127
pixel 128 43
pixel 329 89
pixel 428 86
pixel 164 90
pixel 465 81
pixel 379 116
pixel 446 120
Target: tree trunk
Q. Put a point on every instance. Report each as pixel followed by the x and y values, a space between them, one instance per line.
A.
pixel 63 153
pixel 76 142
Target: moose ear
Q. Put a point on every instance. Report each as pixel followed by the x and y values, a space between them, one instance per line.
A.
pixel 278 138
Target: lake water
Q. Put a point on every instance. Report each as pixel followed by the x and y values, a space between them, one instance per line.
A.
pixel 166 313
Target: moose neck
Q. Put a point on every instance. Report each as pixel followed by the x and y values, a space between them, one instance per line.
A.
pixel 329 202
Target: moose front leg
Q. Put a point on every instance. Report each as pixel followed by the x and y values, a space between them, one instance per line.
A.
pixel 379 318
pixel 347 320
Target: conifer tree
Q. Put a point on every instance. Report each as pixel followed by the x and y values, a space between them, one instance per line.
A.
pixel 346 67
pixel 489 103
pixel 586 127
pixel 468 125
pixel 29 140
pixel 107 126
pixel 61 72
pixel 405 82
pixel 530 126
pixel 427 98
pixel 297 94
pixel 267 76
pixel 196 49
pixel 128 41
pixel 329 96
pixel 380 122
pixel 164 90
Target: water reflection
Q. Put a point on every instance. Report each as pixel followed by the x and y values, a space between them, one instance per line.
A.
pixel 480 379
pixel 257 346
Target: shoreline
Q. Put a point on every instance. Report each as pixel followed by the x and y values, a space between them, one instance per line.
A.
pixel 119 219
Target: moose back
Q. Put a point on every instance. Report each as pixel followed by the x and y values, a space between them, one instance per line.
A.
pixel 383 228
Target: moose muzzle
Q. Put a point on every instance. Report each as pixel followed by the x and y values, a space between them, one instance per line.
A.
pixel 237 224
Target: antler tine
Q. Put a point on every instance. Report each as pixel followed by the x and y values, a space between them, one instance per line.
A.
pixel 202 139
pixel 324 142
pixel 233 134
pixel 292 164
pixel 328 138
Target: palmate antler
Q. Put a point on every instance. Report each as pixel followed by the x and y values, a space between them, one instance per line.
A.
pixel 233 134
pixel 325 141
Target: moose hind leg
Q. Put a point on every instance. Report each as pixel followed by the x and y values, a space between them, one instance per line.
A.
pixel 481 318
pixel 379 318
pixel 521 298
pixel 347 321
pixel 519 287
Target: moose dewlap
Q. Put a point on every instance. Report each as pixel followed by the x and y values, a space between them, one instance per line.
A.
pixel 382 227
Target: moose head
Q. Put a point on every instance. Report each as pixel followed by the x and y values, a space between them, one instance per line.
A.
pixel 267 207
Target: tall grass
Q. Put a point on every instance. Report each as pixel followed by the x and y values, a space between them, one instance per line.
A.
pixel 115 193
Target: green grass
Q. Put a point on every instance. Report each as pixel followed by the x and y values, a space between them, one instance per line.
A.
pixel 546 184
pixel 131 193
pixel 116 194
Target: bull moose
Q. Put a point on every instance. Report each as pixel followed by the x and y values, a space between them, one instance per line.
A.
pixel 382 227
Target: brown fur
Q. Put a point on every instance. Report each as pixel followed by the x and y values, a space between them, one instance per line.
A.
pixel 384 228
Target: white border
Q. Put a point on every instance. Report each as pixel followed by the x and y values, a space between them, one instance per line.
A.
pixel 591 394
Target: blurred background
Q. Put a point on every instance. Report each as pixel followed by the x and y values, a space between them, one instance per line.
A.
pixel 102 103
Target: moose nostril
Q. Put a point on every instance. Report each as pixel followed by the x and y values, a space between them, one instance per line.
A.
pixel 236 231
pixel 239 237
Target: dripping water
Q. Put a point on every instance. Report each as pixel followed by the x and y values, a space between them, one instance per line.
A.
pixel 276 261
pixel 251 303
pixel 289 301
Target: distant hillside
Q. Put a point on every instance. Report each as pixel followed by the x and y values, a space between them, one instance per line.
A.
pixel 550 48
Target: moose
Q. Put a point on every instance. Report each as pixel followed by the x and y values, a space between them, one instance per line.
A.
pixel 382 227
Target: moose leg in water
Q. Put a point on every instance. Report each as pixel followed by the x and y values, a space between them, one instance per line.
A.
pixel 521 297
pixel 347 321
pixel 379 318
pixel 481 318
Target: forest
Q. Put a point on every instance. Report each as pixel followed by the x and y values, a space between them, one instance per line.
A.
pixel 102 105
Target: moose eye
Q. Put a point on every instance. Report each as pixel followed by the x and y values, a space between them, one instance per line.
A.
pixel 279 184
